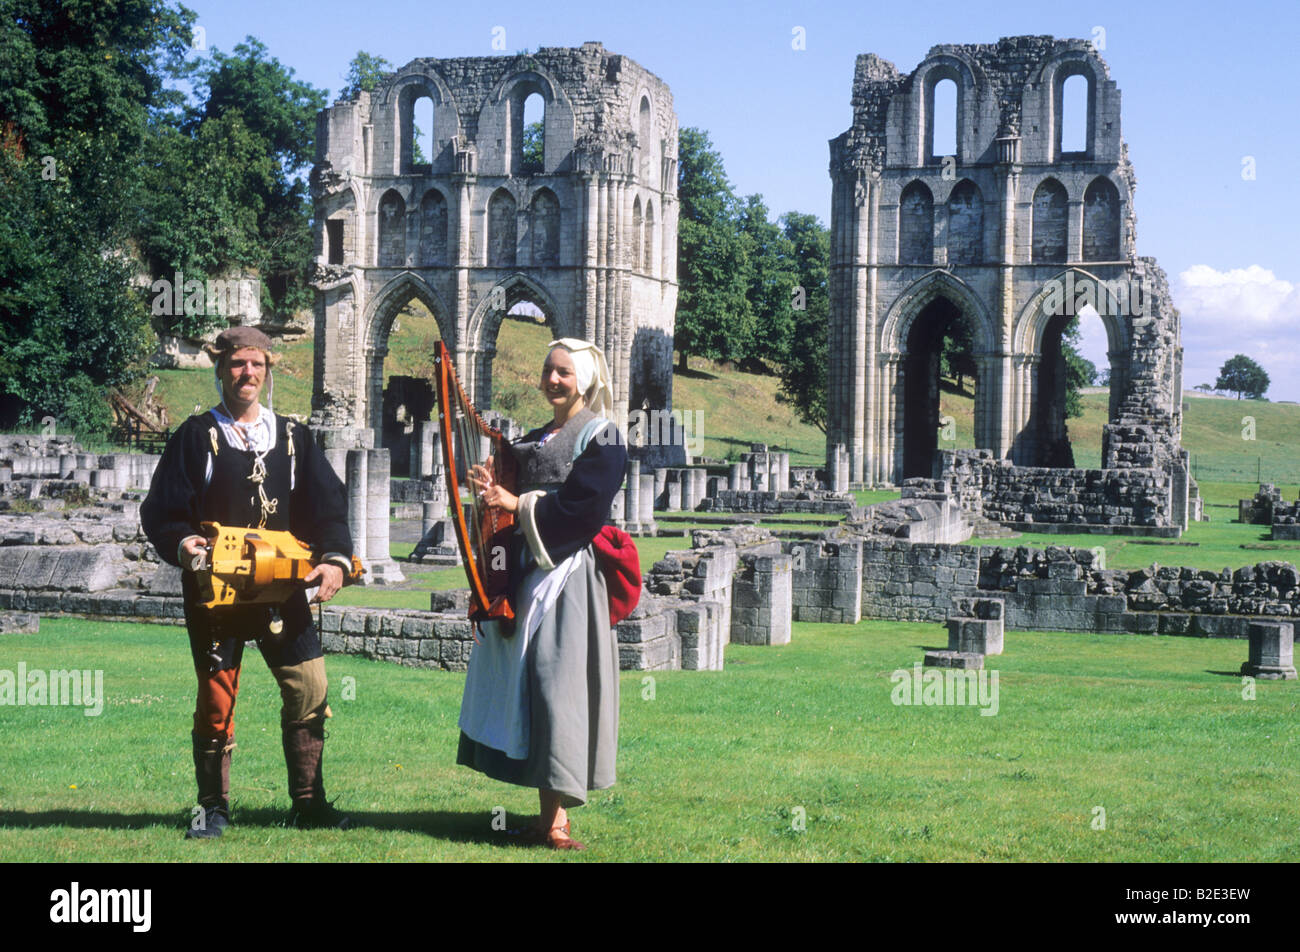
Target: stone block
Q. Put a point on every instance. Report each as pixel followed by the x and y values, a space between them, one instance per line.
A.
pixel 964 660
pixel 1271 651
pixel 662 654
pixel 13 623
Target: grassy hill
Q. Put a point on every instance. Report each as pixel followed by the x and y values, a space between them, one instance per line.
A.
pixel 738 408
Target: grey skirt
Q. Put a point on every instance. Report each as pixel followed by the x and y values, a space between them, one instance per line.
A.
pixel 572 664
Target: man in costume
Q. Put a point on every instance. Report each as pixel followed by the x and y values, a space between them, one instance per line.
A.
pixel 240 464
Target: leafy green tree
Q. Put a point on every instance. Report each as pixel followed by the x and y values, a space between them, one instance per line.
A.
pixel 534 140
pixel 78 83
pixel 804 368
pixel 1244 377
pixel 226 189
pixel 364 73
pixel 773 277
pixel 1079 371
pixel 957 358
pixel 714 317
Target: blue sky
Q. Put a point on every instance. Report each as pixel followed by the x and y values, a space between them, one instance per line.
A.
pixel 1204 86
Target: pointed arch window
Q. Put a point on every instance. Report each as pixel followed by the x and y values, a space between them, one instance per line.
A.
pixel 916 225
pixel 1050 222
pixel 503 230
pixel 392 230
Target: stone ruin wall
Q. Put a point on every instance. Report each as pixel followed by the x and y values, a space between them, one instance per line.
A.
pixel 999 277
pixel 590 237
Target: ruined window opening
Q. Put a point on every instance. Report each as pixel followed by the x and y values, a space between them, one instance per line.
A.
pixel 916 225
pixel 503 230
pixel 532 142
pixel 1101 221
pixel 943 119
pixel 638 236
pixel 545 224
pixel 649 266
pixel 1050 222
pixel 392 231
pixel 423 147
pixel 965 224
pixel 433 229
pixel 334 240
pixel 645 141
pixel 1074 114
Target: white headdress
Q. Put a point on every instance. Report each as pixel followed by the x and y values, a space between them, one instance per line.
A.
pixel 592 373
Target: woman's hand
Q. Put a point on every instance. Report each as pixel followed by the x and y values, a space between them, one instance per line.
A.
pixel 480 477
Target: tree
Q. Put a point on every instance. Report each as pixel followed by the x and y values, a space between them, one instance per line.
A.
pixel 364 73
pixel 804 368
pixel 957 358
pixel 1079 371
pixel 534 140
pixel 78 85
pixel 773 277
pixel 714 317
pixel 1242 376
pixel 226 190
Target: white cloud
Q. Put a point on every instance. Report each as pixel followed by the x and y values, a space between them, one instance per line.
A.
pixel 1247 311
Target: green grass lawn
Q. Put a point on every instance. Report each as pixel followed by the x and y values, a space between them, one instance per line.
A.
pixel 712 765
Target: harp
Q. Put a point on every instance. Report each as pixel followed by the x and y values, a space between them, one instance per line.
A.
pixel 484 532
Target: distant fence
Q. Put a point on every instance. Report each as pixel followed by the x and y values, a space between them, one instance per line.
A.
pixel 1234 468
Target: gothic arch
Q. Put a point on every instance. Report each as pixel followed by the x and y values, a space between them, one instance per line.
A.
pixel 1032 321
pixel 1052 76
pixel 908 305
pixel 474 361
pixel 967 77
pixel 377 324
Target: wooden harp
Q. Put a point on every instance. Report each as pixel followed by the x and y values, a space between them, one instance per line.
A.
pixel 485 536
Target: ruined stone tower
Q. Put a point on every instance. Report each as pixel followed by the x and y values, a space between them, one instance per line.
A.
pixel 1003 240
pixel 588 234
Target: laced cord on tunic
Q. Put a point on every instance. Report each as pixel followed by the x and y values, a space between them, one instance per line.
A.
pixel 258 476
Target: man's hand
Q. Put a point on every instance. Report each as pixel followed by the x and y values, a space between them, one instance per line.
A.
pixel 330 579
pixel 191 548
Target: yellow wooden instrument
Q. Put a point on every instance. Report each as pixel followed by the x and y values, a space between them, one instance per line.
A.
pixel 243 566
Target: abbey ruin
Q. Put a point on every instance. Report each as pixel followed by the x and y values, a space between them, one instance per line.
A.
pixel 1009 238
pixel 584 228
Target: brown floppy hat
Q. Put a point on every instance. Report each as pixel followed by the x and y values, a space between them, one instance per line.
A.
pixel 237 338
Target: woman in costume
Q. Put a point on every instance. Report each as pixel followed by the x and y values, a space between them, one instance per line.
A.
pixel 541 698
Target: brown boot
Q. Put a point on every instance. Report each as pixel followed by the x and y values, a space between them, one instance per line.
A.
pixel 304 744
pixel 212 772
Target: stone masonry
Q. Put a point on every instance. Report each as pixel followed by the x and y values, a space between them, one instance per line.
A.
pixel 589 235
pixel 1010 236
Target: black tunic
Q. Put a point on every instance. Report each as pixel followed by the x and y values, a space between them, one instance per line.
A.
pixel 182 495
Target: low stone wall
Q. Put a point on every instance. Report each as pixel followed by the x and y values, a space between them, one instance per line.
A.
pixel 1031 499
pixel 1058 588
pixel 730 500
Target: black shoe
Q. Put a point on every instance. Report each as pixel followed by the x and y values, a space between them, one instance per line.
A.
pixel 210 824
pixel 317 814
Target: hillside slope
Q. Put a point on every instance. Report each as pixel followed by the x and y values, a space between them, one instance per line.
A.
pixel 1229 440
